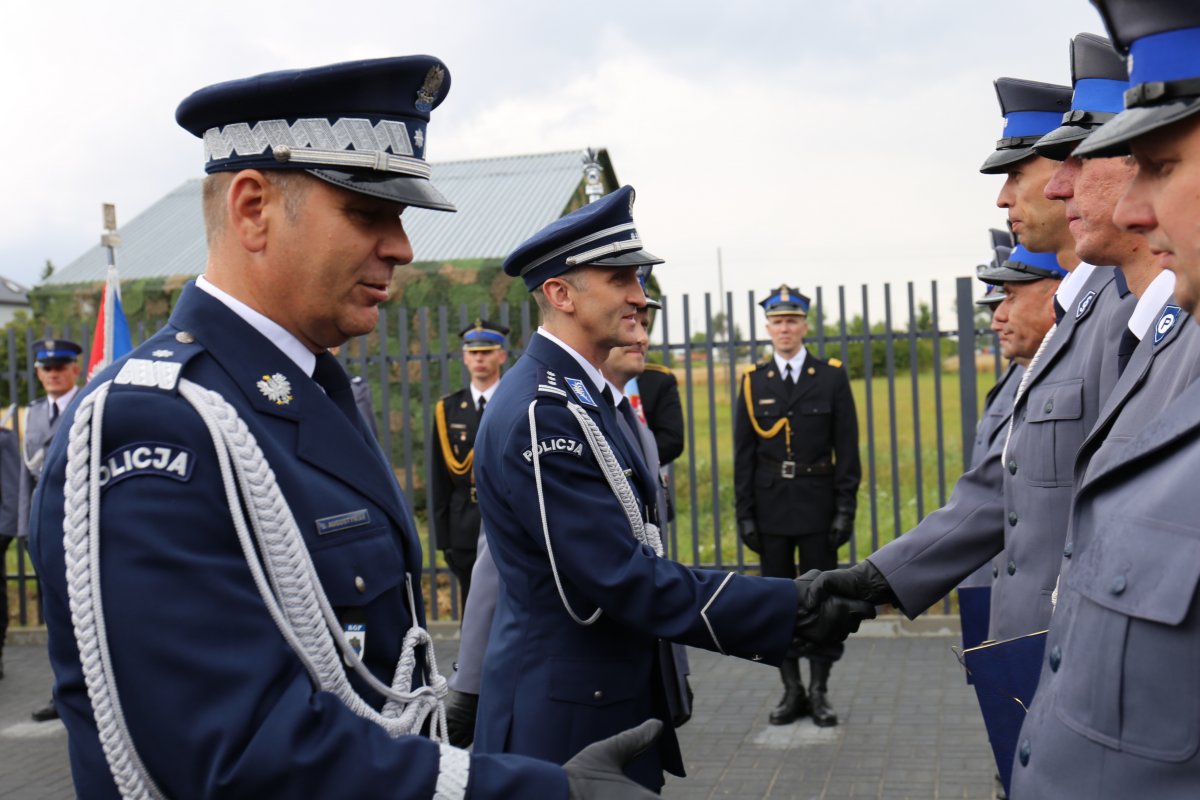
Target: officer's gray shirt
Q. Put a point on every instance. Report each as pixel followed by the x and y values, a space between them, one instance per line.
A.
pixel 1019 509
pixel 1117 711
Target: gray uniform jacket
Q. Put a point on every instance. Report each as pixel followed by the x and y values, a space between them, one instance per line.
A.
pixel 1117 711
pixel 39 430
pixel 997 410
pixel 1023 516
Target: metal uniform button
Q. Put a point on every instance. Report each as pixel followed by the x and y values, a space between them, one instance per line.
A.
pixel 1068 550
pixel 360 584
pixel 1049 406
pixel 597 695
pixel 1026 748
pixel 1118 585
pixel 1055 658
pixel 183 337
pixel 1012 568
pixel 1012 467
pixel 995 571
pixel 1012 518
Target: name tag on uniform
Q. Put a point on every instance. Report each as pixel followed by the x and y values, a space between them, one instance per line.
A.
pixel 342 522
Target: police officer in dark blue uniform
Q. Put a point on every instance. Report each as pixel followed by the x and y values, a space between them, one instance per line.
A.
pixel 453 505
pixel 569 506
pixel 233 599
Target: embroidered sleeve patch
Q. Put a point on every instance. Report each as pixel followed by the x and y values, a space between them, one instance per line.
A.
pixel 147 458
pixel 557 444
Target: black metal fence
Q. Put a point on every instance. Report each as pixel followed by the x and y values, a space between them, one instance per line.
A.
pixel 916 385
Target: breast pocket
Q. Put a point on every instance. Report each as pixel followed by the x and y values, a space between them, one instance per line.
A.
pixel 355 571
pixel 1136 627
pixel 1054 415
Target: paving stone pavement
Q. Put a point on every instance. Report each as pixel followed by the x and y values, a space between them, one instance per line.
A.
pixel 910 729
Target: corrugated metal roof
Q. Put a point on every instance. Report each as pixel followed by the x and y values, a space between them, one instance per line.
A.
pixel 13 293
pixel 501 203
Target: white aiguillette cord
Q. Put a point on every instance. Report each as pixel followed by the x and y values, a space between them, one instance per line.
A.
pixel 645 532
pixel 286 578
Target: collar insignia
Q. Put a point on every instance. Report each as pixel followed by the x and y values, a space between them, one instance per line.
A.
pixel 1170 316
pixel 580 390
pixel 276 388
pixel 1084 304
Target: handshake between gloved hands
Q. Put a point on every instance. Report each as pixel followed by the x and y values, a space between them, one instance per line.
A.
pixel 832 604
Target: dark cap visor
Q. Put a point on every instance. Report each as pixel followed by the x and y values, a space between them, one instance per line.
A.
pixel 1113 137
pixel 1000 160
pixel 410 191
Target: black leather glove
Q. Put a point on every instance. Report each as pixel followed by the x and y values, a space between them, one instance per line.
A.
pixel 595 771
pixel 863 581
pixel 461 708
pixel 749 533
pixel 825 619
pixel 841 530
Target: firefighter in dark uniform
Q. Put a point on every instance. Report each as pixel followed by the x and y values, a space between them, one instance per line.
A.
pixel 453 507
pixel 659 392
pixel 796 475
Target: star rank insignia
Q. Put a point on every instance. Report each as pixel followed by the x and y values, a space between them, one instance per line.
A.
pixel 276 388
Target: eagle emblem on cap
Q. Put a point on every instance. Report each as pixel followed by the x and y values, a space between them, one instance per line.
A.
pixel 428 93
pixel 48 344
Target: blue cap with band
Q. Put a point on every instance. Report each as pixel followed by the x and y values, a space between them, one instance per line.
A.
pixel 361 125
pixel 1100 78
pixel 1031 109
pixel 1162 41
pixel 600 234
pixel 484 335
pixel 785 301
pixel 53 352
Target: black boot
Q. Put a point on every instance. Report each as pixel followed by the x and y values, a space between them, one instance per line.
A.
pixel 822 712
pixel 794 704
pixel 45 713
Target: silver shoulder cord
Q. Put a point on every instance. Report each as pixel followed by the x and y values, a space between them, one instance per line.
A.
pixel 286 579
pixel 646 533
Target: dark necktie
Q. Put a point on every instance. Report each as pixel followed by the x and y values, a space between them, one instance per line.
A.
pixel 1059 311
pixel 330 376
pixel 787 374
pixel 1125 349
pixel 482 404
pixel 53 411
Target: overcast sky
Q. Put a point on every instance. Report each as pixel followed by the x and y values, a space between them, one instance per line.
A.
pixel 817 143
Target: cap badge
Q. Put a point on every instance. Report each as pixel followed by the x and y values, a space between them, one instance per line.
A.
pixel 48 344
pixel 784 297
pixel 276 388
pixel 1167 321
pixel 427 96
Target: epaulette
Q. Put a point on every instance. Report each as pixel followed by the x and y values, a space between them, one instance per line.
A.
pixel 659 368
pixel 834 362
pixel 550 385
pixel 159 362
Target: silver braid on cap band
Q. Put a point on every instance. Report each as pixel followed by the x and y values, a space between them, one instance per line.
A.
pixel 282 570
